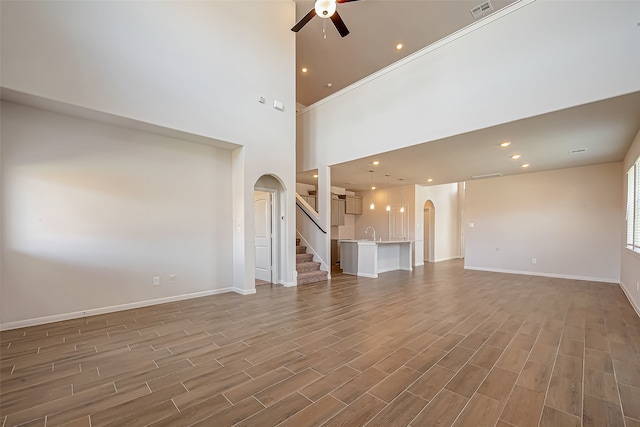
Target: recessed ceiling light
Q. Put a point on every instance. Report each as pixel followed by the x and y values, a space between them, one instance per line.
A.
pixel 315 176
pixel 373 188
pixel 399 46
pixel 376 163
pixel 430 180
pixel 516 156
pixel 526 165
pixel 329 85
pixel 304 69
pixel 505 144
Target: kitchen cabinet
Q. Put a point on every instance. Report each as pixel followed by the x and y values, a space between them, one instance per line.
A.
pixel 337 212
pixel 367 258
pixel 353 205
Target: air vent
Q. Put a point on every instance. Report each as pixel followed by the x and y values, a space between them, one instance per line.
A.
pixel 489 175
pixel 481 10
pixel 577 150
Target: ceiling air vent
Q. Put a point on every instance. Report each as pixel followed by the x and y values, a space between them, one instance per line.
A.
pixel 577 150
pixel 481 10
pixel 489 175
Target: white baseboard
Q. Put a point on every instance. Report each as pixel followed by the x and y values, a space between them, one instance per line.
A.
pixel 370 276
pixel 537 273
pixel 447 258
pixel 110 309
pixel 288 284
pixel 244 291
pixel 635 306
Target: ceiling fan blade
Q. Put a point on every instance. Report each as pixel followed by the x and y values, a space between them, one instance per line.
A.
pixel 339 23
pixel 344 1
pixel 306 18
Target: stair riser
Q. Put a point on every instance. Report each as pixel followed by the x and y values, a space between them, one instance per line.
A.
pixel 308 268
pixel 304 258
pixel 312 279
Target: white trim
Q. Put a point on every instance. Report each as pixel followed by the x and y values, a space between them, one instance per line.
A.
pixel 434 46
pixel 631 301
pixel 243 291
pixel 290 284
pixel 275 230
pixel 369 275
pixel 447 259
pixel 110 309
pixel 536 273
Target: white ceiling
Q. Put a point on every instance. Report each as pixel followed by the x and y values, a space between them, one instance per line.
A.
pixel 606 128
pixel 376 27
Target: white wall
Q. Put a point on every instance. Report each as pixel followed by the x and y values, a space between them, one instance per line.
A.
pixel 526 59
pixel 92 212
pixel 630 262
pixel 445 199
pixel 195 67
pixel 461 84
pixel 568 219
pixel 186 66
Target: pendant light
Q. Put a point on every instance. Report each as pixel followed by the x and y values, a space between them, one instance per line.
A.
pixel 388 204
pixel 401 195
pixel 371 206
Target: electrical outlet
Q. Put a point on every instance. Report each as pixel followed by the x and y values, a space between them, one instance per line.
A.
pixel 533 260
pixel 156 281
pixel 173 279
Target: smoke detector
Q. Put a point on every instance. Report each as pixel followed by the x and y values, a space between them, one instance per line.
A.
pixel 481 10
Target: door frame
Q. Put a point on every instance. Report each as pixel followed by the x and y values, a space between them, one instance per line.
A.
pixel 429 224
pixel 275 232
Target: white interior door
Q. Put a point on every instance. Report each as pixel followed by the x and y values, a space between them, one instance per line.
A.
pixel 263 229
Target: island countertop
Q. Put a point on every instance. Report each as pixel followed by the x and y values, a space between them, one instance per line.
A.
pixel 367 258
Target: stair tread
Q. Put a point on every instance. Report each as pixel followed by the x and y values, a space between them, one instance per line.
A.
pixel 313 273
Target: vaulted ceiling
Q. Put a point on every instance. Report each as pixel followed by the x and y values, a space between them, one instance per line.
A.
pixel 601 131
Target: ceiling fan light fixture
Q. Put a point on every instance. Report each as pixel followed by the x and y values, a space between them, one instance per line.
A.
pixel 325 8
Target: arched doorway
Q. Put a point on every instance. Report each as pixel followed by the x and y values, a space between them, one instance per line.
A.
pixel 429 231
pixel 267 210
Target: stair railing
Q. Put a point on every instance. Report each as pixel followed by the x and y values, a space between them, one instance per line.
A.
pixel 310 231
pixel 309 212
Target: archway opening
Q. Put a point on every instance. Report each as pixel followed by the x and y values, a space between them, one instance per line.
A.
pixel 429 231
pixel 269 243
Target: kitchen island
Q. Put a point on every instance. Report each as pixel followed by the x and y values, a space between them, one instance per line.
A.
pixel 368 258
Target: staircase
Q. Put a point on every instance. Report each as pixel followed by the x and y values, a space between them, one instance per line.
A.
pixel 308 270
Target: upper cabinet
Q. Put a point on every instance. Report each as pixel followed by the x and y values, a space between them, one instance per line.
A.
pixel 353 205
pixel 337 212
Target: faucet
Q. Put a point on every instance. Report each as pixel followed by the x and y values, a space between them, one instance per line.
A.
pixel 366 231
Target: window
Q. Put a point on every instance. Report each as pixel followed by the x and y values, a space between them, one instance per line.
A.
pixel 633 207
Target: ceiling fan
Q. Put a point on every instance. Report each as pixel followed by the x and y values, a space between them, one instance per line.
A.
pixel 325 9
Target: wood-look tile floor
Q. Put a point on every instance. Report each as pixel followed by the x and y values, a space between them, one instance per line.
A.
pixel 438 346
